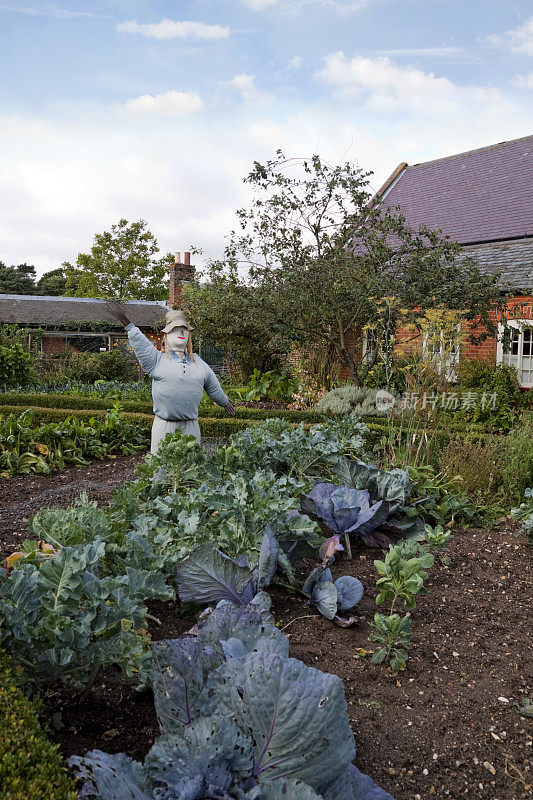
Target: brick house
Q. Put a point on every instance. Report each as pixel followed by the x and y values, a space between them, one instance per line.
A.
pixel 482 199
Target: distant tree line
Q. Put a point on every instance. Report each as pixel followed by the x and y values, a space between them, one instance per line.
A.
pixel 22 279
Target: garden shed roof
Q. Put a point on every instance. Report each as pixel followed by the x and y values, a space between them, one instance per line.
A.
pixel 48 311
pixel 483 195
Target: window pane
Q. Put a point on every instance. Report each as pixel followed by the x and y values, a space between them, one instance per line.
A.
pixel 527 342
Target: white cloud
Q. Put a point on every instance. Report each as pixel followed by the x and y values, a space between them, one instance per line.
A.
pixel 246 86
pixel 172 29
pixel 390 88
pixel 422 51
pixel 166 104
pixel 522 38
pixel 260 5
pixel 523 81
pixel 296 62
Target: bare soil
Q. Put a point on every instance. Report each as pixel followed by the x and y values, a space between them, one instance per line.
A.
pixel 447 727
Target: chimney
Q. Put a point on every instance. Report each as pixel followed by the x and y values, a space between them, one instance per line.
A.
pixel 180 274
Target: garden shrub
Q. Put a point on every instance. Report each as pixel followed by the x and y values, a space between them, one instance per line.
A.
pixel 72 365
pixel 348 399
pixel 30 766
pixel 15 364
pixel 499 384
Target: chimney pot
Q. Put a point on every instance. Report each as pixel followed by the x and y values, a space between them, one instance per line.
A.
pixel 177 258
pixel 188 259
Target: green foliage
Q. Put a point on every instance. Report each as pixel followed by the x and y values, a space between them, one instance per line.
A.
pixel 499 384
pixel 438 539
pixel 267 386
pixel 91 367
pixel 30 766
pixel 15 365
pixel 524 514
pixel 25 449
pixel 226 303
pixel 122 264
pixel 393 633
pixel 53 283
pixel 17 280
pixel 403 574
pixel 63 621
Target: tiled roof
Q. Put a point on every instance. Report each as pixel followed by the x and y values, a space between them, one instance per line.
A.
pixel 42 310
pixel 514 257
pixel 479 196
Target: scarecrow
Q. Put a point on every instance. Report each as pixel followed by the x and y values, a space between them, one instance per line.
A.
pixel 179 376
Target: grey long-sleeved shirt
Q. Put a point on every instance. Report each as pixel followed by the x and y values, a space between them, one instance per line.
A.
pixel 177 386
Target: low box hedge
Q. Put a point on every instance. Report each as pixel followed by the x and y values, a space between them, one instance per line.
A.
pixel 30 766
pixel 219 428
pixel 206 410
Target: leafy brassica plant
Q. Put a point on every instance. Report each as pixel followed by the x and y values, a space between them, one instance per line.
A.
pixel 332 598
pixel 345 511
pixel 393 633
pixel 524 514
pixel 239 721
pixel 63 621
pixel 403 574
pixel 393 488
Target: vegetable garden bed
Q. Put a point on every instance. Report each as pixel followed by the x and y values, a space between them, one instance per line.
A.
pixel 447 727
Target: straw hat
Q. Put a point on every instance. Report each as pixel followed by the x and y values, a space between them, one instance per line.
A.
pixel 176 319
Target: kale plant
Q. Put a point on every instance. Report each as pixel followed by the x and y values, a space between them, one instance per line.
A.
pixel 239 720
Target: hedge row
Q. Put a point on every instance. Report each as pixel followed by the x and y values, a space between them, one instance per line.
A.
pixel 30 766
pixel 207 410
pixel 223 427
pixel 219 428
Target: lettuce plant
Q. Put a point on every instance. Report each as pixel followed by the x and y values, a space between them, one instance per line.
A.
pixel 239 720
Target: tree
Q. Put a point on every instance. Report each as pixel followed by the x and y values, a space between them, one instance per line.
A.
pixel 53 283
pixel 324 264
pixel 122 264
pixel 17 280
pixel 225 311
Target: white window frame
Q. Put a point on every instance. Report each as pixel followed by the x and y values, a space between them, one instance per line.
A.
pixel 520 325
pixel 447 361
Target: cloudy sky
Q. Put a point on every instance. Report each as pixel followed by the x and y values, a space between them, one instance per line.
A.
pixel 156 109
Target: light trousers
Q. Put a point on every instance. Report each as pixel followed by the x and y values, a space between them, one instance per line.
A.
pixel 160 428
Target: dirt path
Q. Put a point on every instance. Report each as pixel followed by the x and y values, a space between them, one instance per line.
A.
pixel 22 497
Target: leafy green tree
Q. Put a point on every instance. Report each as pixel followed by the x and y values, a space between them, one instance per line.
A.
pixel 53 283
pixel 17 280
pixel 322 263
pixel 122 264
